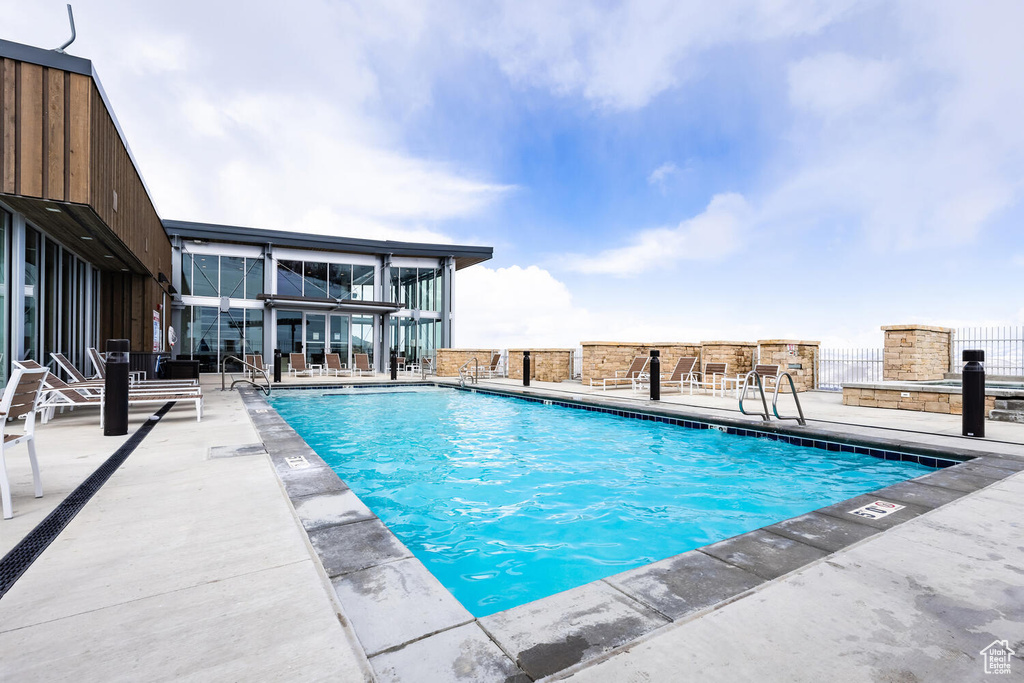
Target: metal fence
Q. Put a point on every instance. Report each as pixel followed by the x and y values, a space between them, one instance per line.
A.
pixel 836 366
pixel 1003 347
pixel 577 363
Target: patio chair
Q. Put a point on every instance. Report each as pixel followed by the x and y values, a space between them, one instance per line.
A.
pixel 637 367
pixel 361 363
pixel 77 378
pixel 682 373
pixel 67 366
pixel 20 400
pixel 334 365
pixel 60 394
pixel 713 377
pixel 493 369
pixel 769 374
pixel 98 362
pixel 297 365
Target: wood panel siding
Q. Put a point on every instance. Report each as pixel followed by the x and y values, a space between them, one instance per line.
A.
pixel 78 104
pixel 56 150
pixel 62 163
pixel 8 97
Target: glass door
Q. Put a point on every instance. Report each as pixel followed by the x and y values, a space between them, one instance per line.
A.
pixel 340 338
pixel 316 337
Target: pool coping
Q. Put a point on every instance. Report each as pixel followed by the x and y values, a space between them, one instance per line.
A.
pixel 404 617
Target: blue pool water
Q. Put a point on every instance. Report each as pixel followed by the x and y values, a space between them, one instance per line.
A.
pixel 507 501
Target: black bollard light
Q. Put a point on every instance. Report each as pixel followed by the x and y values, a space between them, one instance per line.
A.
pixel 974 393
pixel 526 368
pixel 277 365
pixel 394 364
pixel 115 388
pixel 655 375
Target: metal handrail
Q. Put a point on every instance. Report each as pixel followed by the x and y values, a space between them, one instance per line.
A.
pixel 760 390
pixel 254 368
pixel 475 375
pixel 775 400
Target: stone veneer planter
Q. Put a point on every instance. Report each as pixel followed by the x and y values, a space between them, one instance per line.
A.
pixel 787 353
pixel 914 396
pixel 604 359
pixel 915 352
pixel 546 365
pixel 450 360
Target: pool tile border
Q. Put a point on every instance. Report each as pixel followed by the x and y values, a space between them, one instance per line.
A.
pixel 547 638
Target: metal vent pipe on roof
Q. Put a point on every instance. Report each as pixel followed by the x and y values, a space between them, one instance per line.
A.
pixel 71 18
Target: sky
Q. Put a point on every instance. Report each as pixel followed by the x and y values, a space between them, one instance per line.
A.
pixel 645 171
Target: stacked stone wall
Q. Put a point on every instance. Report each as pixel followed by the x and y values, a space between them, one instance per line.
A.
pixel 546 365
pixel 604 359
pixel 915 352
pixel 450 360
pixel 923 401
pixel 787 353
pixel 738 355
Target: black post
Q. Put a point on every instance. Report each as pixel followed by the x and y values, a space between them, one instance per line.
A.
pixel 394 364
pixel 115 388
pixel 655 375
pixel 526 368
pixel 974 393
pixel 277 365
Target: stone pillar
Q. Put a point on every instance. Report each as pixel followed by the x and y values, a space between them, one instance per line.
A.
pixel 739 355
pixel 450 360
pixel 604 359
pixel 915 352
pixel 546 365
pixel 793 356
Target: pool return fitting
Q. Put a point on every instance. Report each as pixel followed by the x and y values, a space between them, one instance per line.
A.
pixel 775 398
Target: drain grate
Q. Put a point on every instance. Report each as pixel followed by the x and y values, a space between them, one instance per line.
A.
pixel 21 556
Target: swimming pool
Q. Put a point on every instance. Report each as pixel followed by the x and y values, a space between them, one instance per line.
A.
pixel 507 501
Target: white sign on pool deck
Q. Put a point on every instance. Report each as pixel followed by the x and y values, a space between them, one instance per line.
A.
pixel 877 509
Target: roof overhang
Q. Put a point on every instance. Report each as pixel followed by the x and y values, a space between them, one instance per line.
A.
pixel 341 305
pixel 79 228
pixel 464 255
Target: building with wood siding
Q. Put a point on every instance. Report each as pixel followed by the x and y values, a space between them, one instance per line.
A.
pixel 84 257
pixel 83 246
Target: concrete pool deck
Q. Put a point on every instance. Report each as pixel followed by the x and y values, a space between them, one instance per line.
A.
pixel 187 565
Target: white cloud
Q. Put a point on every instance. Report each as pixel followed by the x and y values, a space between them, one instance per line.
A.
pixel 659 175
pixel 711 235
pixel 622 56
pixel 514 306
pixel 835 83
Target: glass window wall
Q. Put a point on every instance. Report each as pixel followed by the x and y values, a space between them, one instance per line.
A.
pixel 215 276
pixel 210 335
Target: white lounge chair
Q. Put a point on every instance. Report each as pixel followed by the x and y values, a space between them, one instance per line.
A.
pixel 636 368
pixel 713 377
pixel 297 365
pixel 333 365
pixel 361 363
pixel 20 400
pixel 60 394
pixel 682 373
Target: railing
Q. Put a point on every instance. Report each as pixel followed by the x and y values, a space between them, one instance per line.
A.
pixel 464 372
pixel 246 367
pixel 577 363
pixel 1003 347
pixel 836 366
pixel 775 398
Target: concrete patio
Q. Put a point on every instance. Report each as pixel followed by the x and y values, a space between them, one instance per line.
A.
pixel 191 562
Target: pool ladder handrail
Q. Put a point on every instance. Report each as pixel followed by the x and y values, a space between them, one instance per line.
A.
pixel 775 398
pixel 464 373
pixel 246 365
pixel 760 390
